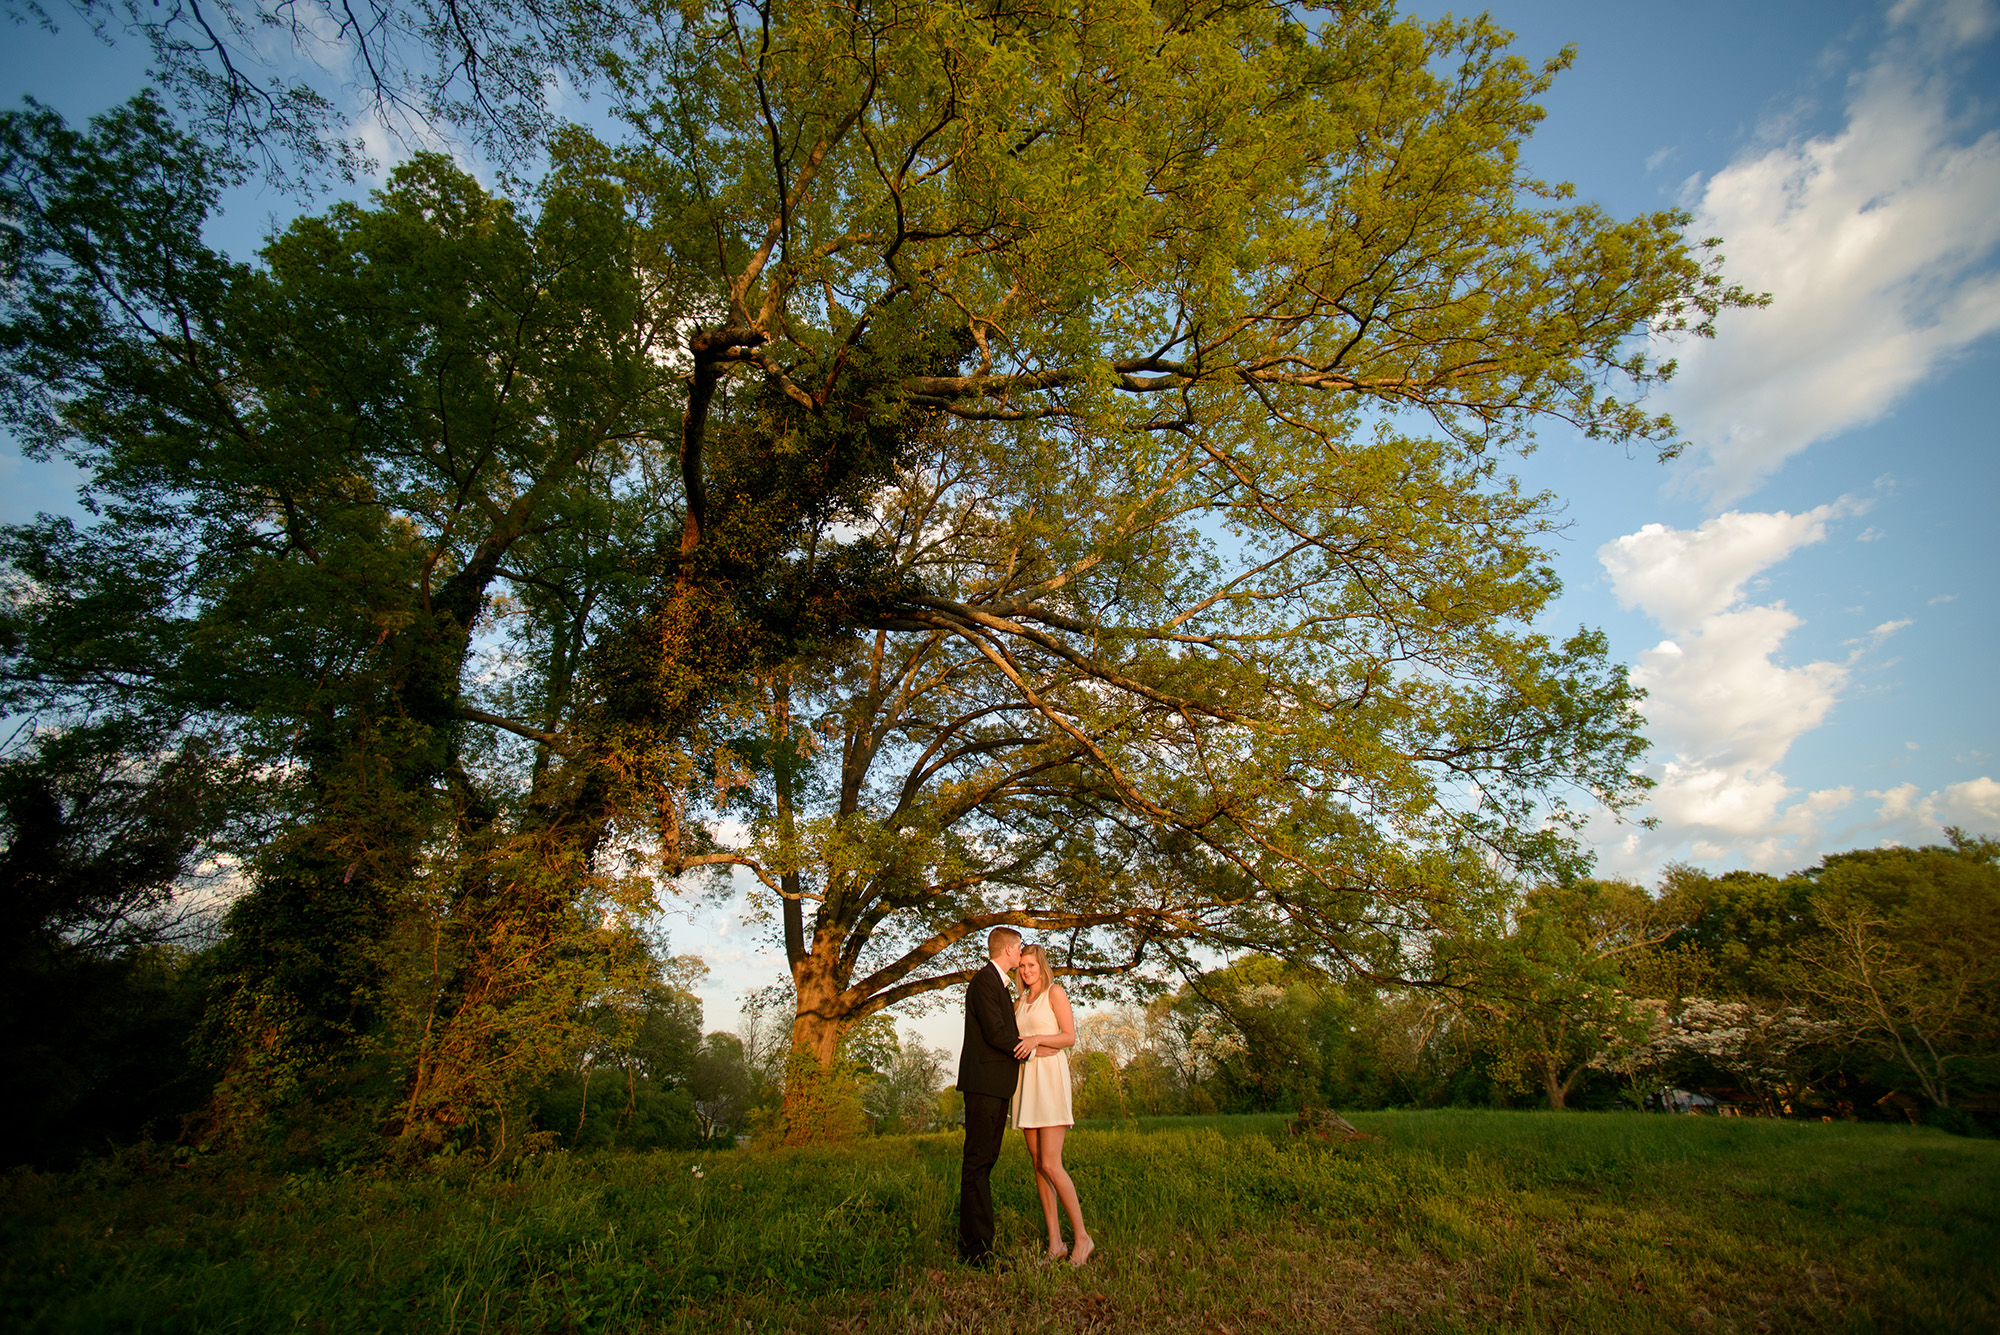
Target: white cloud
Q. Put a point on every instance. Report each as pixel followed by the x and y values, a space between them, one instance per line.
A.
pixel 1907 815
pixel 1719 701
pixel 1723 709
pixel 1874 639
pixel 1875 244
pixel 1682 577
pixel 1960 22
pixel 1719 696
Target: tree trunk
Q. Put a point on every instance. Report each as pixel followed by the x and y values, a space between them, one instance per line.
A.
pixel 822 1098
pixel 1557 1090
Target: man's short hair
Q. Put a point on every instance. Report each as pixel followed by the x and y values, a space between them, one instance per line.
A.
pixel 999 937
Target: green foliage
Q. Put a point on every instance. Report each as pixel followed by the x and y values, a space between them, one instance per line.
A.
pixel 905 1097
pixel 1741 926
pixel 871 1045
pixel 637 1081
pixel 822 1105
pixel 1858 984
pixel 617 1110
pixel 1100 1089
pixel 1907 958
pixel 979 448
pixel 1895 946
pixel 1275 1013
pixel 1546 1001
pixel 664 1042
pixel 313 479
pixel 1181 589
pixel 1261 1034
pixel 1152 1088
pixel 98 1051
pixel 721 1085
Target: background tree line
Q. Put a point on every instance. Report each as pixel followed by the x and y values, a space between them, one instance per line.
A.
pixel 1865 986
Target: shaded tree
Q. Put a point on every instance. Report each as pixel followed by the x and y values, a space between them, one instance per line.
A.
pixel 1907 957
pixel 722 1085
pixel 100 982
pixel 316 481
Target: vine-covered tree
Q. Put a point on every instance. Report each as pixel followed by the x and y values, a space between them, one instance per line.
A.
pixel 316 481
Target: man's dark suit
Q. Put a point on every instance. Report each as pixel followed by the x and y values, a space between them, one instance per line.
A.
pixel 987 1072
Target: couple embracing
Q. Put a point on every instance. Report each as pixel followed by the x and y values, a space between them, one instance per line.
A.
pixel 1015 1068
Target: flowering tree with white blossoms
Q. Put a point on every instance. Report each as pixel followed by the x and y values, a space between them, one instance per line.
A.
pixel 1769 1050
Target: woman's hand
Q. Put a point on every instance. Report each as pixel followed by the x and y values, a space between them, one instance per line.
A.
pixel 1025 1049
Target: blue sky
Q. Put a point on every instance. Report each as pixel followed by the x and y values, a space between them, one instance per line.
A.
pixel 1809 593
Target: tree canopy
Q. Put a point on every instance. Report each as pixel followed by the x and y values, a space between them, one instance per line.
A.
pixel 1035 467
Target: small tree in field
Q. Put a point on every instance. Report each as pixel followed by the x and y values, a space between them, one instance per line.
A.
pixel 1546 1000
pixel 903 1096
pixel 722 1085
pixel 1099 1087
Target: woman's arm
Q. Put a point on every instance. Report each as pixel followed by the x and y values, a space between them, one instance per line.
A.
pixel 1059 1003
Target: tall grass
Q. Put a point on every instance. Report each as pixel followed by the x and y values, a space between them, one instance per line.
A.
pixel 1449 1221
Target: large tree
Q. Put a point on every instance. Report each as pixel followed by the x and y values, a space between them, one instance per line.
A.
pixel 1150 788
pixel 1212 578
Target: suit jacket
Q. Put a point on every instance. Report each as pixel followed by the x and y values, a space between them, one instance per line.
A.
pixel 986 1063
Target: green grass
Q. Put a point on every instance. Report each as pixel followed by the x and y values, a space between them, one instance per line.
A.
pixel 1451 1221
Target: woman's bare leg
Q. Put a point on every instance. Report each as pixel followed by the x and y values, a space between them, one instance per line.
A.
pixel 1049 1170
pixel 1033 1135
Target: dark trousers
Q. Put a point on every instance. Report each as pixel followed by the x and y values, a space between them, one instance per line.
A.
pixel 985 1127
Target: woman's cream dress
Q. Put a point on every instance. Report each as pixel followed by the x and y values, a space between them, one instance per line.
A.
pixel 1041 1098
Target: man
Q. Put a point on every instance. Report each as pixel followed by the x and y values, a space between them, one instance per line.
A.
pixel 987 1071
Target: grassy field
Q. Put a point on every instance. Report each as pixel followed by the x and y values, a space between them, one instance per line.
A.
pixel 1450 1221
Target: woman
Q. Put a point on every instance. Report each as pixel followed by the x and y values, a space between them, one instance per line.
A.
pixel 1041 1099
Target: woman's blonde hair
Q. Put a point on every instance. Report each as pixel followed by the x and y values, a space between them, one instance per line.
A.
pixel 1041 959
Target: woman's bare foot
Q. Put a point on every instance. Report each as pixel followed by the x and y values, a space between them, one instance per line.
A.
pixel 1081 1253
